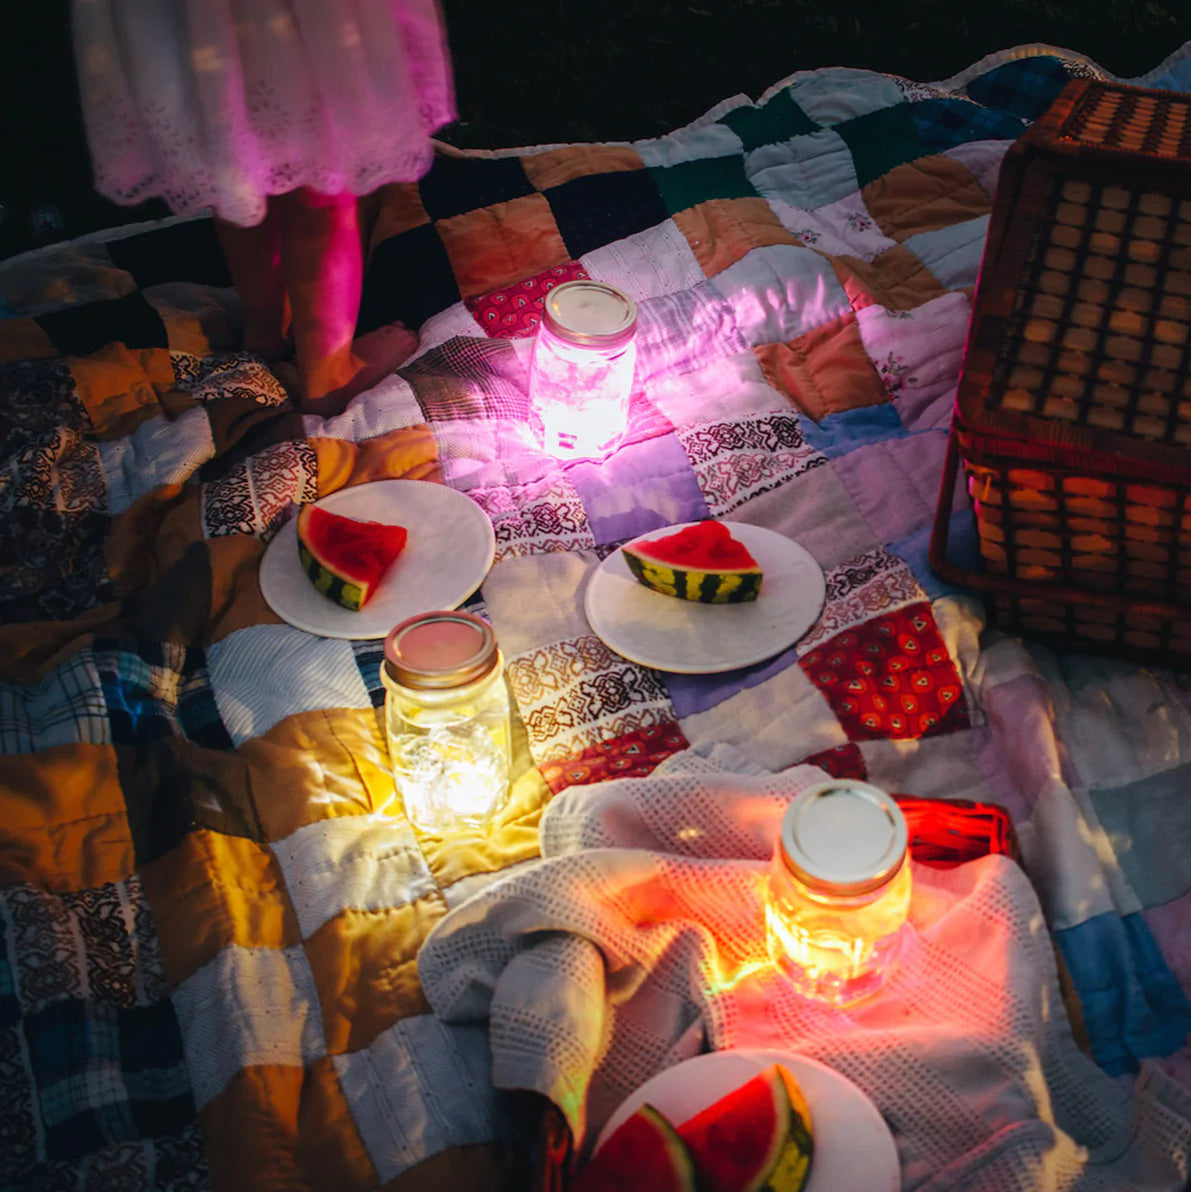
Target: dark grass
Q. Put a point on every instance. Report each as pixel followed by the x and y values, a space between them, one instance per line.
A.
pixel 545 71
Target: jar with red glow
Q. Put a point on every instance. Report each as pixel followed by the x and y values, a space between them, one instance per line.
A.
pixel 581 375
pixel 838 894
pixel 447 719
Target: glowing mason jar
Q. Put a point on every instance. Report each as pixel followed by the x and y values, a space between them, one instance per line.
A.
pixel 839 891
pixel 447 719
pixel 581 376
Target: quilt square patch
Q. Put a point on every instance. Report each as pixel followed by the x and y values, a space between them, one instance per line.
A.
pixel 688 183
pixel 890 677
pixel 81 330
pixel 553 167
pixel 825 371
pixel 184 251
pixel 777 120
pixel 597 209
pixel 1026 87
pixel 409 278
pixel 721 231
pixel 454 185
pixel 470 379
pixel 632 755
pixel 516 311
pixel 942 192
pixel 946 121
pixel 881 140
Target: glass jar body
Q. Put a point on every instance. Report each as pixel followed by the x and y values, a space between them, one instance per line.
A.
pixel 450 750
pixel 580 393
pixel 835 948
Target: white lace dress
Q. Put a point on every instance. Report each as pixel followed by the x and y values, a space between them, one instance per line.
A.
pixel 219 103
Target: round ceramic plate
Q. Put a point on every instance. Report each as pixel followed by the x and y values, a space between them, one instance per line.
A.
pixel 446 557
pixel 689 638
pixel 854 1151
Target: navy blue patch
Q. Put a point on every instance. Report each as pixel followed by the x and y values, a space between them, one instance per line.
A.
pixel 942 123
pixel 186 251
pixel 81 330
pixel 597 209
pixel 454 185
pixel 409 278
pixel 1024 88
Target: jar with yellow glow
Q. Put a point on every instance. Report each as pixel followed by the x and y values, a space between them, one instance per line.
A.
pixel 582 370
pixel 447 719
pixel 838 892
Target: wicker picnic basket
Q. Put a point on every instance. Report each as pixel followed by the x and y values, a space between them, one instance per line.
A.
pixel 1073 413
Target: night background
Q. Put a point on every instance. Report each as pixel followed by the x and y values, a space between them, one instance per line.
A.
pixel 545 71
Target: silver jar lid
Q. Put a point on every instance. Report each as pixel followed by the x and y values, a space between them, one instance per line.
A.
pixel 437 650
pixel 590 313
pixel 843 837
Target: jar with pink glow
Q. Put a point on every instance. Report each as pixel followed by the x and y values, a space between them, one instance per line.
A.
pixel 838 894
pixel 581 375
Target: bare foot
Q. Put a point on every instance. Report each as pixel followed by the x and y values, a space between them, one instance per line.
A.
pixel 374 356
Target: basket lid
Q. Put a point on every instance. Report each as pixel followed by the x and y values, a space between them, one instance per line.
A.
pixel 1080 338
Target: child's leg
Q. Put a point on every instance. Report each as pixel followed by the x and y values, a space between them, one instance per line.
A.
pixel 323 265
pixel 254 260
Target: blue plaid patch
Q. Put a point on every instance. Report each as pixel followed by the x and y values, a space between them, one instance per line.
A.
pixel 157 689
pixel 369 656
pixel 106 1074
pixel 1025 88
pixel 946 122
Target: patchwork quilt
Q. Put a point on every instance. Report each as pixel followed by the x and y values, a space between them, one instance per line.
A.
pixel 211 903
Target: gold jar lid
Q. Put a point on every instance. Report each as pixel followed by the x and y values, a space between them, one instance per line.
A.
pixel 591 314
pixel 843 837
pixel 437 650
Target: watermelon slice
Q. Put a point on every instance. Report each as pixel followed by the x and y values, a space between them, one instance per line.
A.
pixel 643 1152
pixel 701 562
pixel 345 558
pixel 756 1139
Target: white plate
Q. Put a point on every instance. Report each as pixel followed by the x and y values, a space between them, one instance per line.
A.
pixel 446 557
pixel 689 638
pixel 854 1150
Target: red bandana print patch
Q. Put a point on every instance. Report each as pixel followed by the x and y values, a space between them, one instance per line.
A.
pixel 632 755
pixel 516 310
pixel 890 678
pixel 844 761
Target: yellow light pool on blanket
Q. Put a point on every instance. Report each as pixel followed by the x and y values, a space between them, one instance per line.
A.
pixel 447 719
pixel 581 376
pixel 838 895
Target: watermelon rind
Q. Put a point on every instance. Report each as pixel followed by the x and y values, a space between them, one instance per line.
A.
pixel 643 1153
pixel 757 1138
pixel 695 564
pixel 346 558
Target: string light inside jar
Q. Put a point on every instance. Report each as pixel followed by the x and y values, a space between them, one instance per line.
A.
pixel 838 894
pixel 581 375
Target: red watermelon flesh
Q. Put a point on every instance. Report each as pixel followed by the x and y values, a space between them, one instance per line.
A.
pixel 344 557
pixel 756 1138
pixel 707 545
pixel 642 1153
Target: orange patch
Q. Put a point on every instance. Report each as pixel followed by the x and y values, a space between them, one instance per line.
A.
pixel 318 765
pixel 23 339
pixel 65 823
pixel 397 208
pixel 929 193
pixel 498 245
pixel 896 279
pixel 721 231
pixel 410 453
pixel 119 386
pixel 366 970
pixel 30 650
pixel 825 371
pixel 556 166
pixel 210 892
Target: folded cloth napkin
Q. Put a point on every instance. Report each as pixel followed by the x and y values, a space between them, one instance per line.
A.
pixel 638 941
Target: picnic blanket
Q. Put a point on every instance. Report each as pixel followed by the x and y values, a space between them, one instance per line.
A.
pixel 211 904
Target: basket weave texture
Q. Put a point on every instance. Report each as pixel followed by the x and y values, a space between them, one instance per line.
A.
pixel 1073 413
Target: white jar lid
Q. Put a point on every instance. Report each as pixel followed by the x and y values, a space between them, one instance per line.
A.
pixel 591 313
pixel 843 837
